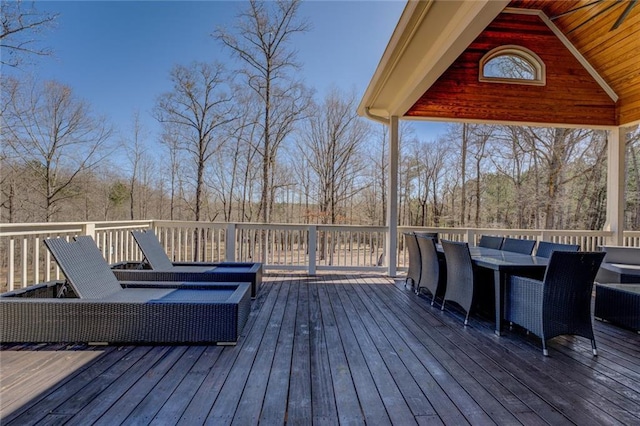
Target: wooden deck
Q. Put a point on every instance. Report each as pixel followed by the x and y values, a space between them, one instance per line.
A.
pixel 332 349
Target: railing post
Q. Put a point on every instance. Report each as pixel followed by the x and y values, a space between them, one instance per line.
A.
pixel 11 275
pixel 471 236
pixel 544 237
pixel 313 240
pixel 89 229
pixel 230 243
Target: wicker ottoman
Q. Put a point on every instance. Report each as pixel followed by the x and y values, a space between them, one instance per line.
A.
pixel 618 303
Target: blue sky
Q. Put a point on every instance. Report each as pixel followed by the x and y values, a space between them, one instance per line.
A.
pixel 117 55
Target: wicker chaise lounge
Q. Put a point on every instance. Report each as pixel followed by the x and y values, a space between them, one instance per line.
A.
pixel 157 266
pixel 98 309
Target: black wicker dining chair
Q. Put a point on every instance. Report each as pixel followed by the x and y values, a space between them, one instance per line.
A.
pixel 414 270
pixel 433 272
pixel 433 235
pixel 561 303
pixel 489 241
pixel 460 276
pixel 545 248
pixel 517 245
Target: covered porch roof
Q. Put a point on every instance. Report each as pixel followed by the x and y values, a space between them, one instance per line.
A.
pixel 584 54
pixel 590 48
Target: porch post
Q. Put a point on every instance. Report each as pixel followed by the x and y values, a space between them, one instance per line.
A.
pixel 392 199
pixel 616 146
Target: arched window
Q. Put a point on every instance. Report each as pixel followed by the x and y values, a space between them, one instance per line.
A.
pixel 512 64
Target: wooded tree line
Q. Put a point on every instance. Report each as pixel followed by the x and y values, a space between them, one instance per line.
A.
pixel 255 144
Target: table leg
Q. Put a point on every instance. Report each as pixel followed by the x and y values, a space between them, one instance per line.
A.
pixel 499 284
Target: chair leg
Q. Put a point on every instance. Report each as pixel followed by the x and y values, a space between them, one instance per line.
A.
pixel 545 351
pixel 466 319
pixel 593 347
pixel 442 307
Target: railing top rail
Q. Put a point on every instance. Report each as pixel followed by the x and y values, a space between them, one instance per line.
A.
pixel 433 229
pixel 362 228
pixel 123 225
pixel 17 229
pixel 189 224
pixel 11 230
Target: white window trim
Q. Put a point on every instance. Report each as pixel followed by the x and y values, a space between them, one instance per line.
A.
pixel 540 78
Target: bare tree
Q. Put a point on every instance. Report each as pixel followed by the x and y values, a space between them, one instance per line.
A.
pixel 136 151
pixel 262 42
pixel 331 144
pixel 464 141
pixel 55 135
pixel 555 149
pixel 195 110
pixel 512 159
pixel 19 31
pixel 379 160
pixel 633 173
pixel 480 135
pixel 170 140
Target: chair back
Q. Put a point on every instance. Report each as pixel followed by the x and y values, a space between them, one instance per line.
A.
pixel 490 241
pixel 517 245
pixel 433 235
pixel 568 285
pixel 459 273
pixel 84 267
pixel 430 271
pixel 414 257
pixel 152 250
pixel 545 248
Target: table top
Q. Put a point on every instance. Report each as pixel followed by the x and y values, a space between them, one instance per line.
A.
pixel 501 260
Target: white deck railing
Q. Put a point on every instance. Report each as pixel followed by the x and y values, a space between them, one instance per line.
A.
pixel 25 261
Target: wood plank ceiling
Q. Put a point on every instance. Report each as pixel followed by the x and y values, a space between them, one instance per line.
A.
pixel 571 96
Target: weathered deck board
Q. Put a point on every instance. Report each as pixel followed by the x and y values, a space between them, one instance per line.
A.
pixel 335 348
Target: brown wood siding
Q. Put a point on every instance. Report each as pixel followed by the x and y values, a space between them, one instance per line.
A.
pixel 570 96
pixel 614 54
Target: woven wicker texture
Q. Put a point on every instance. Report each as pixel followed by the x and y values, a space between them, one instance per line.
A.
pixel 432 274
pixel 619 303
pixel 517 245
pixel 84 267
pixel 152 250
pixel 433 235
pixel 413 273
pixel 561 303
pixel 217 271
pixel 105 312
pixel 460 275
pixel 545 248
pixel 489 241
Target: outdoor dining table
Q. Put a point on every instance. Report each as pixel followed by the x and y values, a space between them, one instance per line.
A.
pixel 504 264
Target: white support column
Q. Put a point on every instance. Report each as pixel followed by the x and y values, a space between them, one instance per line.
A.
pixel 392 199
pixel 616 147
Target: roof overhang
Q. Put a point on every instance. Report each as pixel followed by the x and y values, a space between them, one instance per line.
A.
pixel 409 65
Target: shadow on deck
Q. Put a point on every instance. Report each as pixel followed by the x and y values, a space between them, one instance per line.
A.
pixel 332 349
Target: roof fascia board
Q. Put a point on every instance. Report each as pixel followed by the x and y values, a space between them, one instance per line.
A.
pixel 512 123
pixel 411 16
pixel 597 77
pixel 408 70
pixel 461 30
